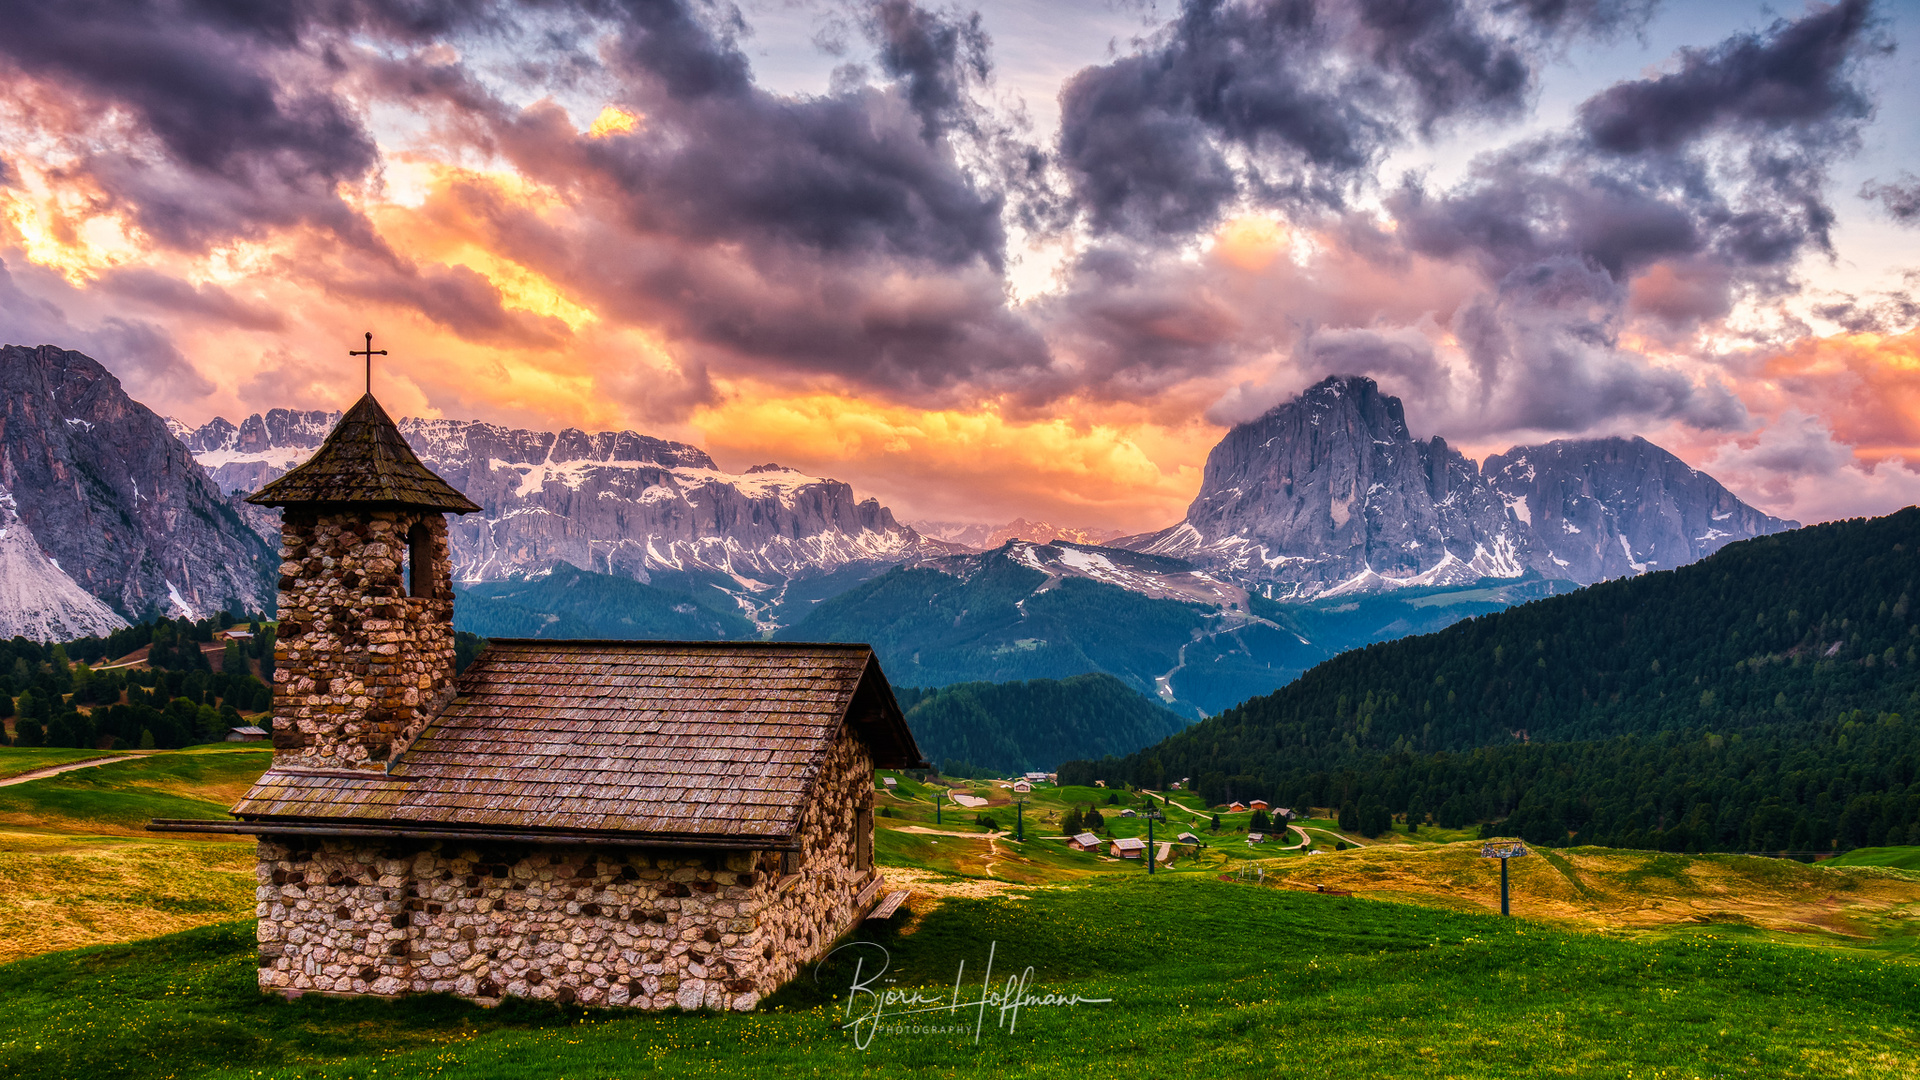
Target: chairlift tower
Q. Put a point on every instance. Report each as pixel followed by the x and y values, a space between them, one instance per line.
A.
pixel 1503 850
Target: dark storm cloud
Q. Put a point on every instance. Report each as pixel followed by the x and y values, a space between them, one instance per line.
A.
pixel 875 252
pixel 1535 200
pixel 1292 101
pixel 1726 159
pixel 856 234
pixel 933 56
pixel 1900 199
pixel 862 173
pixel 243 146
pixel 1795 76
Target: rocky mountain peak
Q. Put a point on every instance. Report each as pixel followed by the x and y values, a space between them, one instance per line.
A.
pixel 1330 493
pixel 615 502
pixel 114 500
pixel 1608 507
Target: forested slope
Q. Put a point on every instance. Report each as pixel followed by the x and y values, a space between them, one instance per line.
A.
pixel 1764 698
pixel 1014 727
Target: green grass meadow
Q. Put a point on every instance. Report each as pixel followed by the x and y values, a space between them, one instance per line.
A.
pixel 15 760
pixel 1899 858
pixel 1206 979
pixel 122 796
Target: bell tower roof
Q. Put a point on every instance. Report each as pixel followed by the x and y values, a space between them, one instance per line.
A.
pixel 365 461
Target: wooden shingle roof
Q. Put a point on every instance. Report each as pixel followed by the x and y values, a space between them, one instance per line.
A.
pixel 365 460
pixel 675 742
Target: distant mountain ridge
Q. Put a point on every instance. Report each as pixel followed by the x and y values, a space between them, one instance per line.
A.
pixel 113 503
pixel 1330 494
pixel 1193 641
pixel 988 537
pixel 612 502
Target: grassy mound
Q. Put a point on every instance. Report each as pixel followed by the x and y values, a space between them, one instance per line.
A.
pixel 1206 979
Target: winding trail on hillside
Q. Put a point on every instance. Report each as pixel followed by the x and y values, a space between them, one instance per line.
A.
pixel 993 848
pixel 56 770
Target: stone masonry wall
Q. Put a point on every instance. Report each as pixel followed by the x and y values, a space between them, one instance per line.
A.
pixel 594 925
pixel 361 666
pixel 801 922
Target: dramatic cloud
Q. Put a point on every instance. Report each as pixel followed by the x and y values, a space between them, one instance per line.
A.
pixel 236 127
pixel 1726 159
pixel 597 213
pixel 1291 102
pixel 1792 79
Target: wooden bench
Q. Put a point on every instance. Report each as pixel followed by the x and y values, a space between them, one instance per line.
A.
pixel 890 905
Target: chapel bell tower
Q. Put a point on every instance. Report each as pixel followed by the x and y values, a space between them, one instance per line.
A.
pixel 365 647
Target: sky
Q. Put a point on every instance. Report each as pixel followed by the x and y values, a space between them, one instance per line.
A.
pixel 1013 259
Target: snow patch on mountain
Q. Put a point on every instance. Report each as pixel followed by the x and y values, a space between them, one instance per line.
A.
pixel 38 600
pixel 612 502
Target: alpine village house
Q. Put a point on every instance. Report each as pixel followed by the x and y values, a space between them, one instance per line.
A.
pixel 605 822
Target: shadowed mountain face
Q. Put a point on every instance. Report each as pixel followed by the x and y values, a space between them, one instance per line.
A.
pixel 1330 494
pixel 114 502
pixel 1607 508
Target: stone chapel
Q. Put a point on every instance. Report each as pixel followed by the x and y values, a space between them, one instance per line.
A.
pixel 638 823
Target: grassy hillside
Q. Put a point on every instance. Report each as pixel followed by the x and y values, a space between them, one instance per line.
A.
pixel 574 603
pixel 1016 727
pixel 61 891
pixel 121 797
pixel 1762 699
pixel 1204 979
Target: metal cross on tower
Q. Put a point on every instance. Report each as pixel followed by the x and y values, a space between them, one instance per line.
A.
pixel 369 353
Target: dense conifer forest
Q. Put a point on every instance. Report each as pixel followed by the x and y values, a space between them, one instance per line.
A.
pixel 70 694
pixel 1764 699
